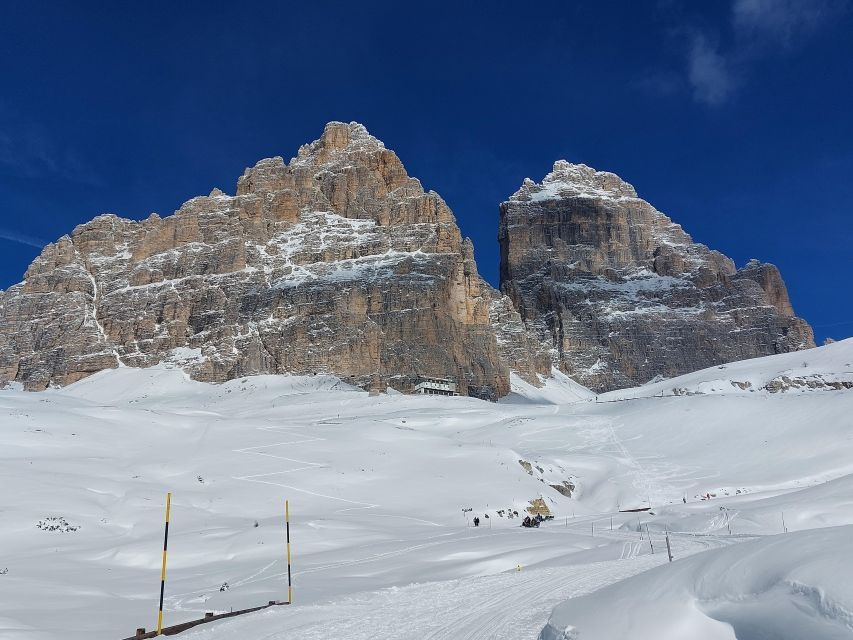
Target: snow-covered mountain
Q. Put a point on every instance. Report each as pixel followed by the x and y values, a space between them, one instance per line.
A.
pixel 337 262
pixel 623 294
pixel 379 488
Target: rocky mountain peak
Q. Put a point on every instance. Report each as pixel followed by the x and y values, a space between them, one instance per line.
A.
pixel 337 138
pixel 337 262
pixel 574 180
pixel 340 262
pixel 623 293
pixel 348 171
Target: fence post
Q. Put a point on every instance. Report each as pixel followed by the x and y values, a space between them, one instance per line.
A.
pixel 287 526
pixel 163 570
pixel 651 546
pixel 668 548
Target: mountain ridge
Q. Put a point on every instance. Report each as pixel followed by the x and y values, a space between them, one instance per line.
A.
pixel 340 262
pixel 623 293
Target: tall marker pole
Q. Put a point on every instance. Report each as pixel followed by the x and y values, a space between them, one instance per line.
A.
pixel 287 525
pixel 163 571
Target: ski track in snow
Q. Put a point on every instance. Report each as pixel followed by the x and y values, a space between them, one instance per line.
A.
pixel 517 609
pixel 513 605
pixel 309 466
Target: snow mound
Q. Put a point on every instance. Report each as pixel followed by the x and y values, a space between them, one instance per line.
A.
pixel 169 384
pixel 558 389
pixel 785 587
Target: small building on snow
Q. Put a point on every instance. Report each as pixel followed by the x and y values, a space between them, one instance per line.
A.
pixel 436 386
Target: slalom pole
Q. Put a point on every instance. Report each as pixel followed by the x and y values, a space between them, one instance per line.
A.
pixel 163 570
pixel 287 525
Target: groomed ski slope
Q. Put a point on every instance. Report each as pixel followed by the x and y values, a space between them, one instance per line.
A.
pixel 377 487
pixel 510 605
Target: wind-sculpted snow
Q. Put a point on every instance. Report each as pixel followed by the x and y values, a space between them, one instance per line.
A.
pixel 782 587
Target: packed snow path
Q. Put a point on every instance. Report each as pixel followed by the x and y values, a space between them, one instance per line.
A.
pixel 513 605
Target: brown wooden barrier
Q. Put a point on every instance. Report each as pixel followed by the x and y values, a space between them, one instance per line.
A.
pixel 208 617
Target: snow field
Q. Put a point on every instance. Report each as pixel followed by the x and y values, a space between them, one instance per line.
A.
pixel 377 487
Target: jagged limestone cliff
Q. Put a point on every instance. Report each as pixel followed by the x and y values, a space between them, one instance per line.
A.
pixel 337 262
pixel 623 294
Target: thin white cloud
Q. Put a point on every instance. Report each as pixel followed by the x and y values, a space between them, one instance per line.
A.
pixel 780 22
pixel 708 72
pixel 21 238
pixel 759 29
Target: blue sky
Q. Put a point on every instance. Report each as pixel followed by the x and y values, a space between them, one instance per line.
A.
pixel 733 117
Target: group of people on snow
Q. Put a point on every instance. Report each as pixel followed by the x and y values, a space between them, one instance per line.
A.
pixel 533 522
pixel 528 522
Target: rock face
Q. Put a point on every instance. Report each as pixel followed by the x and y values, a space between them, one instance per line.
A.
pixel 623 294
pixel 521 349
pixel 337 262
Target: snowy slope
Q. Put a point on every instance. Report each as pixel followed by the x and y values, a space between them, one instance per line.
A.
pixel 377 487
pixel 782 587
pixel 558 389
pixel 824 368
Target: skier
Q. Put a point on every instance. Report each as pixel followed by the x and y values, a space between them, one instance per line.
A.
pixel 476 521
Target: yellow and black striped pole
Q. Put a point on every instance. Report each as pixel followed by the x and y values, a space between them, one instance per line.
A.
pixel 163 571
pixel 287 525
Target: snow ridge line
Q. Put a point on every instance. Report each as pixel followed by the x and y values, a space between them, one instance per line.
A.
pixel 822 605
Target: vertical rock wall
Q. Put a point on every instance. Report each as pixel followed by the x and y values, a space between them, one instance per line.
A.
pixel 623 294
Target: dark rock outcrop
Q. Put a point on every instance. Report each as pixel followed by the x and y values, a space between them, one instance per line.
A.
pixel 623 294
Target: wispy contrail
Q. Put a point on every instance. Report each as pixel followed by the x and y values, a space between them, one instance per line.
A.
pixel 21 238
